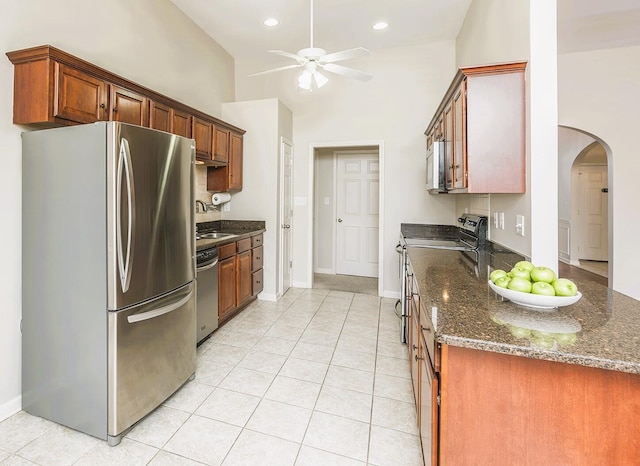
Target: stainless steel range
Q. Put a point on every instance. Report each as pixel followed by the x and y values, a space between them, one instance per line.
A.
pixel 469 237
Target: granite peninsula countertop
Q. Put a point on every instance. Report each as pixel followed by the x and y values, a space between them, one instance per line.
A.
pixel 601 330
pixel 239 229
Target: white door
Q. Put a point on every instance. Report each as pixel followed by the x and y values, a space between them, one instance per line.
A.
pixel 357 209
pixel 592 211
pixel 286 211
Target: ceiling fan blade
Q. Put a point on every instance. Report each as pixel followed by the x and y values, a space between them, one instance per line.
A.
pixel 345 55
pixel 282 68
pixel 349 72
pixel 287 54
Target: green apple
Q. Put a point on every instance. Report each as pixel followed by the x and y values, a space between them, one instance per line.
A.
pixel 565 287
pixel 543 288
pixel 521 272
pixel 520 284
pixel 497 273
pixel 542 274
pixel 503 282
pixel 525 265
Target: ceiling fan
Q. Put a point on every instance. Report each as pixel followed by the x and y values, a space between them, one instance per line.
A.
pixel 314 59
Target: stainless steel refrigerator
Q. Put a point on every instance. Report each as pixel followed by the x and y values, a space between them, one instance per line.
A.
pixel 108 274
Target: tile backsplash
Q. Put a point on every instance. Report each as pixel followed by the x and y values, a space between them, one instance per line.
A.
pixel 205 196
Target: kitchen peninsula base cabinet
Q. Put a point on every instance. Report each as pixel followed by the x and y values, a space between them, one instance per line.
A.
pixel 499 409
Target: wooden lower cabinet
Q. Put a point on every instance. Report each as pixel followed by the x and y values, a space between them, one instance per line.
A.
pixel 239 275
pixel 226 288
pixel 503 410
pixel 245 278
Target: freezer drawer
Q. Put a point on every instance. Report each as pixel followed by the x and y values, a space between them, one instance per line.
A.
pixel 151 354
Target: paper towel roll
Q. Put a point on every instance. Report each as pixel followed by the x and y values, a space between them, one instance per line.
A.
pixel 220 198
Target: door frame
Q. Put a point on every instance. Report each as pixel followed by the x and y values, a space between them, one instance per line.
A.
pixel 344 145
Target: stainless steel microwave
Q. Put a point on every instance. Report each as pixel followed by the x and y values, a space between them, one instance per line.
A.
pixel 436 172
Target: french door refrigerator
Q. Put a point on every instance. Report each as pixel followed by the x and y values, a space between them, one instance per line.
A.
pixel 108 274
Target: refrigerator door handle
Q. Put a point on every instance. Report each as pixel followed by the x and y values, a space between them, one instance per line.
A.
pixel 159 311
pixel 124 263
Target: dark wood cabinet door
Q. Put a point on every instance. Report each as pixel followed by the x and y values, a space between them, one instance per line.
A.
pixel 203 134
pixel 160 116
pixel 128 107
pixel 80 97
pixel 245 279
pixel 181 123
pixel 226 288
pixel 235 162
pixel 221 146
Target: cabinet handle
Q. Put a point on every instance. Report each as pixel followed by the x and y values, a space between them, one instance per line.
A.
pixel 115 109
pixel 426 329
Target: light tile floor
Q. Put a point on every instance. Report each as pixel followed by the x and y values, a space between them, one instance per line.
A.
pixel 317 378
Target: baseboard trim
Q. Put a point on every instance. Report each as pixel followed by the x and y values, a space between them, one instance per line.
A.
pixel 10 408
pixel 300 285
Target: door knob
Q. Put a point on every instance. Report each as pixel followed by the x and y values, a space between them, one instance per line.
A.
pixel 339 220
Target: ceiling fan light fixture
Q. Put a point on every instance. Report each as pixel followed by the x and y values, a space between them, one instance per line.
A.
pixel 320 79
pixel 304 80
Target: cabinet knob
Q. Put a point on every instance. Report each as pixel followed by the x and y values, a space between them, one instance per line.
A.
pixel 103 106
pixel 258 282
pixel 418 359
pixel 115 109
pixel 339 220
pixel 415 347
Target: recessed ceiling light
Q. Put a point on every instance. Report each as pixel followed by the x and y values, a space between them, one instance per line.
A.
pixel 380 26
pixel 271 22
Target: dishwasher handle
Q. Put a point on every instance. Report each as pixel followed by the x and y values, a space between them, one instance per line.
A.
pixel 159 311
pixel 208 266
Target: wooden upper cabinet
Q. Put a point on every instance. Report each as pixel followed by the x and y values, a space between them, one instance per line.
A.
pixel 53 88
pixel 235 161
pixel 181 123
pixel 482 119
pixel 228 178
pixel 221 147
pixel 459 142
pixel 203 133
pixel 159 116
pixel 79 97
pixel 128 107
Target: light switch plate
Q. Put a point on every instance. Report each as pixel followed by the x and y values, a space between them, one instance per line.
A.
pixel 501 220
pixel 520 225
pixel 496 222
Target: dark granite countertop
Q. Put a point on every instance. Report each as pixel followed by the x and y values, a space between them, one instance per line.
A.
pixel 238 229
pixel 601 330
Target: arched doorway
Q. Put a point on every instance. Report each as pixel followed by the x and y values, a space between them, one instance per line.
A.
pixel 584 214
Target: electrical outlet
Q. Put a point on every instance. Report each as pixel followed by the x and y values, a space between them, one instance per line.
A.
pixel 520 225
pixel 501 220
pixel 226 207
pixel 495 220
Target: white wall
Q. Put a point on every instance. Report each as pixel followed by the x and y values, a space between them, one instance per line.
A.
pixel 395 107
pixel 598 92
pixel 259 198
pixel 147 41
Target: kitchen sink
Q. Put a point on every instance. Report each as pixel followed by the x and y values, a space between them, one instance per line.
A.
pixel 213 235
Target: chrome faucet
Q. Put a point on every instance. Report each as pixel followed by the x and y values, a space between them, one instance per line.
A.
pixel 203 205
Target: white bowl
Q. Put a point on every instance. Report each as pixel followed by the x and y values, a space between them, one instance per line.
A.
pixel 535 300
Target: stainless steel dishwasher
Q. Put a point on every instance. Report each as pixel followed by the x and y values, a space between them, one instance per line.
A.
pixel 207 286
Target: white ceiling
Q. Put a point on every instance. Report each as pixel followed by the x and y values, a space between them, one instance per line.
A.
pixel 342 24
